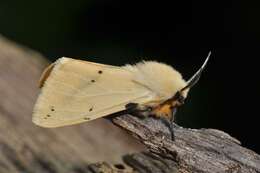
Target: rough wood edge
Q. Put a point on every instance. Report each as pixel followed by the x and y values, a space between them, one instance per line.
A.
pixel 194 150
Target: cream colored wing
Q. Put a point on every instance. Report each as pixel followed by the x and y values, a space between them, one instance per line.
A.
pixel 75 91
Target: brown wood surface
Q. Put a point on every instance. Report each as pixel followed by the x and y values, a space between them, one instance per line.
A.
pixel 194 150
pixel 98 146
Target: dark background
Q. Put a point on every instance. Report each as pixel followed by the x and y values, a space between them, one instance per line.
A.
pixel 180 33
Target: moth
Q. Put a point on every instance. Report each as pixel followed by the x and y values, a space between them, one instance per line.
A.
pixel 75 91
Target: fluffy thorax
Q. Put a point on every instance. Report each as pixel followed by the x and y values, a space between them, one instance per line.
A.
pixel 158 77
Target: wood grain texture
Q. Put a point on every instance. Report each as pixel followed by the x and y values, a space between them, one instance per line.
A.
pixel 98 146
pixel 194 150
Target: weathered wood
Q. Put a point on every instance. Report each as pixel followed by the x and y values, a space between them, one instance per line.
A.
pixel 25 147
pixel 203 150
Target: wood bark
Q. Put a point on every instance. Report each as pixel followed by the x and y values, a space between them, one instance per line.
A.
pixel 194 150
pixel 27 148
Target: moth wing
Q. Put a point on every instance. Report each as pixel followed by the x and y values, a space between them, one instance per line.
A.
pixel 75 91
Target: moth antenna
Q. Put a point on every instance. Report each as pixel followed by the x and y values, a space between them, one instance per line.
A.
pixel 195 78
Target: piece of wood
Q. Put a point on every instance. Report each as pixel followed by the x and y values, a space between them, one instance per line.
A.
pixel 25 147
pixel 203 150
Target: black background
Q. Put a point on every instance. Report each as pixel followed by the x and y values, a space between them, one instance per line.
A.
pixel 180 33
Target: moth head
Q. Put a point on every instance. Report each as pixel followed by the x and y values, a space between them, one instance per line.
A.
pixel 179 98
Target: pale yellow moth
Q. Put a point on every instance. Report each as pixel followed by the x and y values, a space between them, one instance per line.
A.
pixel 75 91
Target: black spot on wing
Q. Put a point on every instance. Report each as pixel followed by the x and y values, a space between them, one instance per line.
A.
pixel 47 116
pixel 86 118
pixel 91 109
pixel 100 72
pixel 52 108
pixel 93 81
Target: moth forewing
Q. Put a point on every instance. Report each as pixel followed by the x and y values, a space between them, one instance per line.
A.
pixel 76 91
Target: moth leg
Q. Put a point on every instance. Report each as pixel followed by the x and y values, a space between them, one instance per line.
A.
pixel 140 111
pixel 173 116
pixel 169 124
